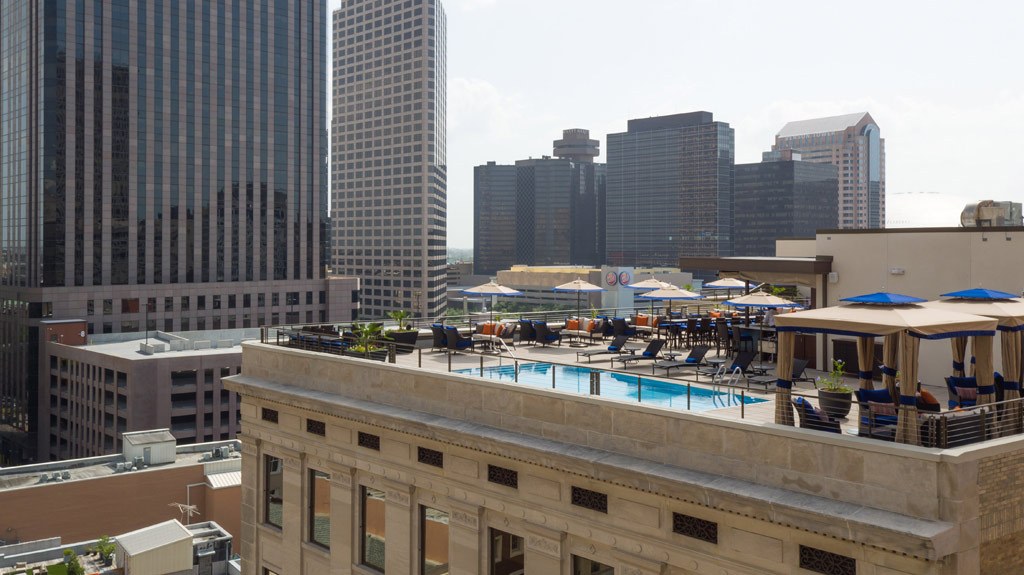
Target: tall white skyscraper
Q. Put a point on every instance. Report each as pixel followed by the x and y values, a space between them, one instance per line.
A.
pixel 388 165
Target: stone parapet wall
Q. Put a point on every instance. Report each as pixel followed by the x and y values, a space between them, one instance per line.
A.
pixel 1001 514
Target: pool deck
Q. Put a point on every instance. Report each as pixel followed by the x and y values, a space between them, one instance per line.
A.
pixel 564 354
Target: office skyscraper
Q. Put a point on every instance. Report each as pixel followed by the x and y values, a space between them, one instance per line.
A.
pixel 388 167
pixel 782 197
pixel 160 155
pixel 670 184
pixel 853 144
pixel 545 211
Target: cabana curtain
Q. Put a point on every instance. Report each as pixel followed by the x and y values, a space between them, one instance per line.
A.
pixel 981 349
pixel 890 351
pixel 1010 341
pixel 865 361
pixel 783 408
pixel 907 430
pixel 959 351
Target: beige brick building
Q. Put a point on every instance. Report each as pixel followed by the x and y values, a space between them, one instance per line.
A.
pixel 432 472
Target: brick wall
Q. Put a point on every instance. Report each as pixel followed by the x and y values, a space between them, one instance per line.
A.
pixel 88 508
pixel 1001 514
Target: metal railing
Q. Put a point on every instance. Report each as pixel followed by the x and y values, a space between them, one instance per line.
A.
pixel 939 429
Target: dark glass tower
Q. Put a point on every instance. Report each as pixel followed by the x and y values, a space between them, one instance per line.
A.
pixel 670 186
pixel 546 211
pixel 388 154
pixel 167 150
pixel 494 218
pixel 782 197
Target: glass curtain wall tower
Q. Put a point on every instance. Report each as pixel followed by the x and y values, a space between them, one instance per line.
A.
pixel 388 166
pixel 158 150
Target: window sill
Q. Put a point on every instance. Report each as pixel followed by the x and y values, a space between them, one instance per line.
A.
pixel 270 529
pixel 317 548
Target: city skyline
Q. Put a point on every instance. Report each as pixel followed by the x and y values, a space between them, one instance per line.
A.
pixel 770 67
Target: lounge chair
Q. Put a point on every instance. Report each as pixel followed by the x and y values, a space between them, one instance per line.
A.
pixel 546 335
pixel 455 340
pixel 620 327
pixel 799 365
pixel 440 340
pixel 811 418
pixel 617 347
pixel 652 353
pixel 694 360
pixel 739 368
pixel 526 332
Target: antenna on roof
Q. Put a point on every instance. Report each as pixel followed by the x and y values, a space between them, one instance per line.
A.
pixel 183 509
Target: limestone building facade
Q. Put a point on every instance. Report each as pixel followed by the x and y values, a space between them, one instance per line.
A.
pixel 447 473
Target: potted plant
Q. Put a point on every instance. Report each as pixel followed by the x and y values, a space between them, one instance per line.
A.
pixel 365 347
pixel 833 394
pixel 404 335
pixel 105 549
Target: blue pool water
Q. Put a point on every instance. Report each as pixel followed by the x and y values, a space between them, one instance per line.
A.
pixel 613 385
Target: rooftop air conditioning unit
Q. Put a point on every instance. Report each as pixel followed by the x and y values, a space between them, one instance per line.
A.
pixel 138 461
pixel 224 452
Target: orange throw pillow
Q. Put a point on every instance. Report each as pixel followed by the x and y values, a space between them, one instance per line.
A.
pixel 715 314
pixel 499 329
pixel 927 397
pixel 488 329
pixel 590 326
pixel 573 325
pixel 655 324
pixel 641 320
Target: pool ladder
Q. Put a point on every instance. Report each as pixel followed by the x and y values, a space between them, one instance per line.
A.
pixel 719 379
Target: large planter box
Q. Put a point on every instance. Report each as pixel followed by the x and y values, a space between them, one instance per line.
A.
pixel 376 355
pixel 405 340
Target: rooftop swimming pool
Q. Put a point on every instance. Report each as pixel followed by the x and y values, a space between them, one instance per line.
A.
pixel 614 385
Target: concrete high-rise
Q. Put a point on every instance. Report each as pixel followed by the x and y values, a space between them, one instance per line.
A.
pixel 166 156
pixel 546 211
pixel 388 166
pixel 782 197
pixel 670 186
pixel 852 143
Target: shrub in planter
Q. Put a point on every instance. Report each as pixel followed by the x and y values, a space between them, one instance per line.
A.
pixel 833 394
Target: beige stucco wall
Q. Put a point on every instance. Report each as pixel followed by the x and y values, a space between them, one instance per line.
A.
pixel 933 262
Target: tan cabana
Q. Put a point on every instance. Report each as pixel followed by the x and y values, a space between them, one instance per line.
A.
pixel 1009 313
pixel 869 320
pixel 1011 349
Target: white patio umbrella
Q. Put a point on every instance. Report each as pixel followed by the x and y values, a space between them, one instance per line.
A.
pixel 491 288
pixel 579 286
pixel 761 299
pixel 652 284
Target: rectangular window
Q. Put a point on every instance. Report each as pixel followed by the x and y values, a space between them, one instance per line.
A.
pixel 320 508
pixel 184 303
pixel 130 305
pixel 590 567
pixel 433 541
pixel 506 553
pixel 372 528
pixel 273 487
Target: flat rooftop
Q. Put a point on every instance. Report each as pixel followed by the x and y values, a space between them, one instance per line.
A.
pixel 27 476
pixel 127 345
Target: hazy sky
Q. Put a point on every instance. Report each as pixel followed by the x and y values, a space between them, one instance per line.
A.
pixel 943 80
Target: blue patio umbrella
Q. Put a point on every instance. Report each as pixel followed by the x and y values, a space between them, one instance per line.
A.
pixel 884 298
pixel 980 293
